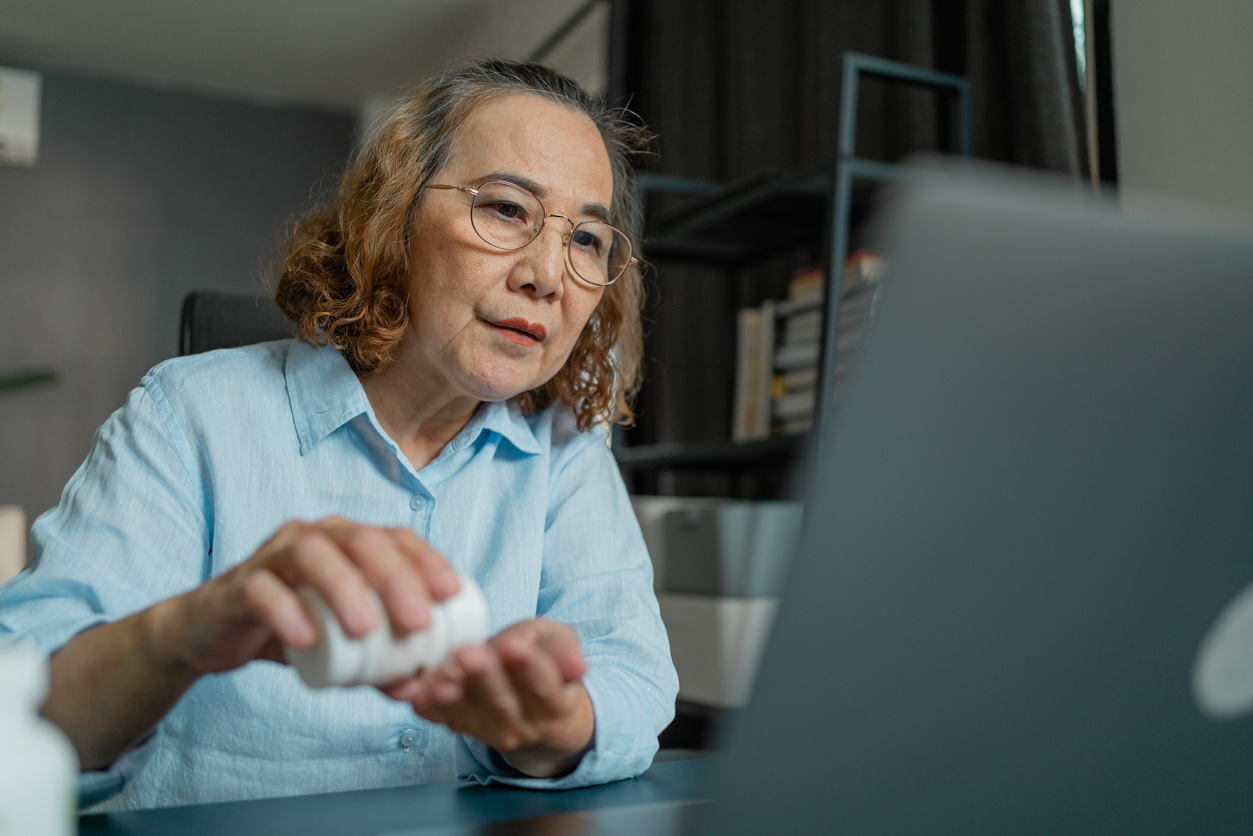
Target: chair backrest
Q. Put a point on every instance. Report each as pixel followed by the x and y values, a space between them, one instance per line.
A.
pixel 229 318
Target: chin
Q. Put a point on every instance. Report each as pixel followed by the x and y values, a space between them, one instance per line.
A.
pixel 500 384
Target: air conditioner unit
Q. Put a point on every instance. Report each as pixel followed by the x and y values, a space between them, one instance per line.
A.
pixel 19 117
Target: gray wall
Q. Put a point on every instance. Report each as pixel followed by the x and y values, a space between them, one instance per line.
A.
pixel 139 195
pixel 1183 93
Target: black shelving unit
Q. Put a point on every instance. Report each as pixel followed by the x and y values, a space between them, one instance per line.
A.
pixel 710 454
pixel 731 226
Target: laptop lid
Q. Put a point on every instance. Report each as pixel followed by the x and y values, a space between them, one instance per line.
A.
pixel 1036 504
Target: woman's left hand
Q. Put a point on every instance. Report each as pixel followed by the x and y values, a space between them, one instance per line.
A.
pixel 519 693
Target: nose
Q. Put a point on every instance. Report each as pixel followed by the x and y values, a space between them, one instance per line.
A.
pixel 540 272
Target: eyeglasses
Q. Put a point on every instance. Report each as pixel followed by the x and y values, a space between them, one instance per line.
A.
pixel 509 217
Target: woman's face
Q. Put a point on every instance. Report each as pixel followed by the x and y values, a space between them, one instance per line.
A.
pixel 461 286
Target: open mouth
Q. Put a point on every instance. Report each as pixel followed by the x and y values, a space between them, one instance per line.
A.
pixel 520 331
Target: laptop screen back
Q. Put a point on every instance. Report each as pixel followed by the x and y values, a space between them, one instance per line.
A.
pixel 1036 503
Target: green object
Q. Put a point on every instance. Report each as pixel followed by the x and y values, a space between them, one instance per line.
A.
pixel 26 377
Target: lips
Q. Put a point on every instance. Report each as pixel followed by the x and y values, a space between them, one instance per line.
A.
pixel 532 332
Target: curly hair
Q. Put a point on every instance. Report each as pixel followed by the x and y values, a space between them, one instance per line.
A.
pixel 344 276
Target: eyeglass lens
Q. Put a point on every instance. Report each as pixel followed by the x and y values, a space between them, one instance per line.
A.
pixel 508 217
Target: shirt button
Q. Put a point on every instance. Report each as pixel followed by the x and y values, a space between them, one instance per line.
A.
pixel 408 737
pixel 416 502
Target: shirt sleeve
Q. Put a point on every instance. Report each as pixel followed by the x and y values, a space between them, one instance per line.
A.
pixel 130 530
pixel 597 578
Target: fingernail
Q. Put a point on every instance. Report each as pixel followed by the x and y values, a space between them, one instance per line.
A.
pixel 415 614
pixel 364 617
pixel 307 634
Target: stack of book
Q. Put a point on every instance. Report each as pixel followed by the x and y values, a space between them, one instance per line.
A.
pixel 780 344
pixel 795 375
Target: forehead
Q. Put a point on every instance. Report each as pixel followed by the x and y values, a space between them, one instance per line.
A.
pixel 547 143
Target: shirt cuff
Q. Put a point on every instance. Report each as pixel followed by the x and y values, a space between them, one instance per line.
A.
pixel 48 637
pixel 101 785
pixel 623 745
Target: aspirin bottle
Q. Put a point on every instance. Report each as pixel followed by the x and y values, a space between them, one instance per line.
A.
pixel 38 765
pixel 380 657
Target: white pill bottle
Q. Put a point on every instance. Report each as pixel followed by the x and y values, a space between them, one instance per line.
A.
pixel 38 765
pixel 381 657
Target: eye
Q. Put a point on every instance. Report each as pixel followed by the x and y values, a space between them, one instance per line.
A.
pixel 504 210
pixel 588 240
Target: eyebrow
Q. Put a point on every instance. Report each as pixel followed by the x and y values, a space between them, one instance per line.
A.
pixel 596 210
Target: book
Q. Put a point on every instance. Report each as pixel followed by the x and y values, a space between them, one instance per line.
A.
pixel 805 326
pixel 798 404
pixel 799 378
pixel 797 355
pixel 808 282
pixel 765 370
pixel 747 351
pixel 755 329
pixel 796 426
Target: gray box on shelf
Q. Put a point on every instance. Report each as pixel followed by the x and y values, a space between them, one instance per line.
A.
pixel 734 549
pixel 651 512
pixel 720 565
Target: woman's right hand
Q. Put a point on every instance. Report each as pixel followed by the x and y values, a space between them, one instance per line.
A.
pixel 252 610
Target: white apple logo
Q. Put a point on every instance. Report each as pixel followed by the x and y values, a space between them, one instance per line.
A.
pixel 1222 678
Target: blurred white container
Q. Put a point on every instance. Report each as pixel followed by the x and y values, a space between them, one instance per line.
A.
pixel 38 766
pixel 720 566
pixel 381 657
pixel 12 541
pixel 717 644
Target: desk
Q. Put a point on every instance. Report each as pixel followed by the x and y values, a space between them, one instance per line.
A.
pixel 662 796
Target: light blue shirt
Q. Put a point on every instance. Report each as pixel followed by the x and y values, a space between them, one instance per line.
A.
pixel 212 453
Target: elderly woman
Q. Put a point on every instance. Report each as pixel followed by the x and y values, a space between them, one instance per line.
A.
pixel 469 320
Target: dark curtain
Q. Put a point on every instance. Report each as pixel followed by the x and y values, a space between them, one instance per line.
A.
pixel 735 87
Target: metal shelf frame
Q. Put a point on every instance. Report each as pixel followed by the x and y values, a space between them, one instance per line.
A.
pixel 680 243
pixel 850 167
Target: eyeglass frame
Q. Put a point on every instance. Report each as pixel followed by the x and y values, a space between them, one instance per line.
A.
pixel 565 242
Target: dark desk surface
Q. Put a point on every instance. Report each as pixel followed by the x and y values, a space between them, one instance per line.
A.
pixel 663 794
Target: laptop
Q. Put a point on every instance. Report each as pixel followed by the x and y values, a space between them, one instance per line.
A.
pixel 1018 601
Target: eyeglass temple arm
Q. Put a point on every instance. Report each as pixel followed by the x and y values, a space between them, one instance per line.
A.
pixel 458 188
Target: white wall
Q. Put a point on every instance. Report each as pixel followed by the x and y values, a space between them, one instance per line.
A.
pixel 1183 97
pixel 139 196
pixel 507 29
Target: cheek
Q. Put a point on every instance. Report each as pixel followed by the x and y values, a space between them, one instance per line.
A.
pixel 577 318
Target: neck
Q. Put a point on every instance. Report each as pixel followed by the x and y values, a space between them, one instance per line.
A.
pixel 417 406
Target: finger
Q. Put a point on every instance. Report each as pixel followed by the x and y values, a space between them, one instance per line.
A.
pixel 562 644
pixel 275 604
pixel 422 698
pixel 440 578
pixel 316 560
pixel 405 689
pixel 488 689
pixel 392 575
pixel 446 685
pixel 536 679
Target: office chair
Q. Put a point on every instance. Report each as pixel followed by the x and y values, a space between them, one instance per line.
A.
pixel 229 318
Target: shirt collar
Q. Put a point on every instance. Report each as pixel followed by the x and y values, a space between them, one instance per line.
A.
pixel 507 420
pixel 325 394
